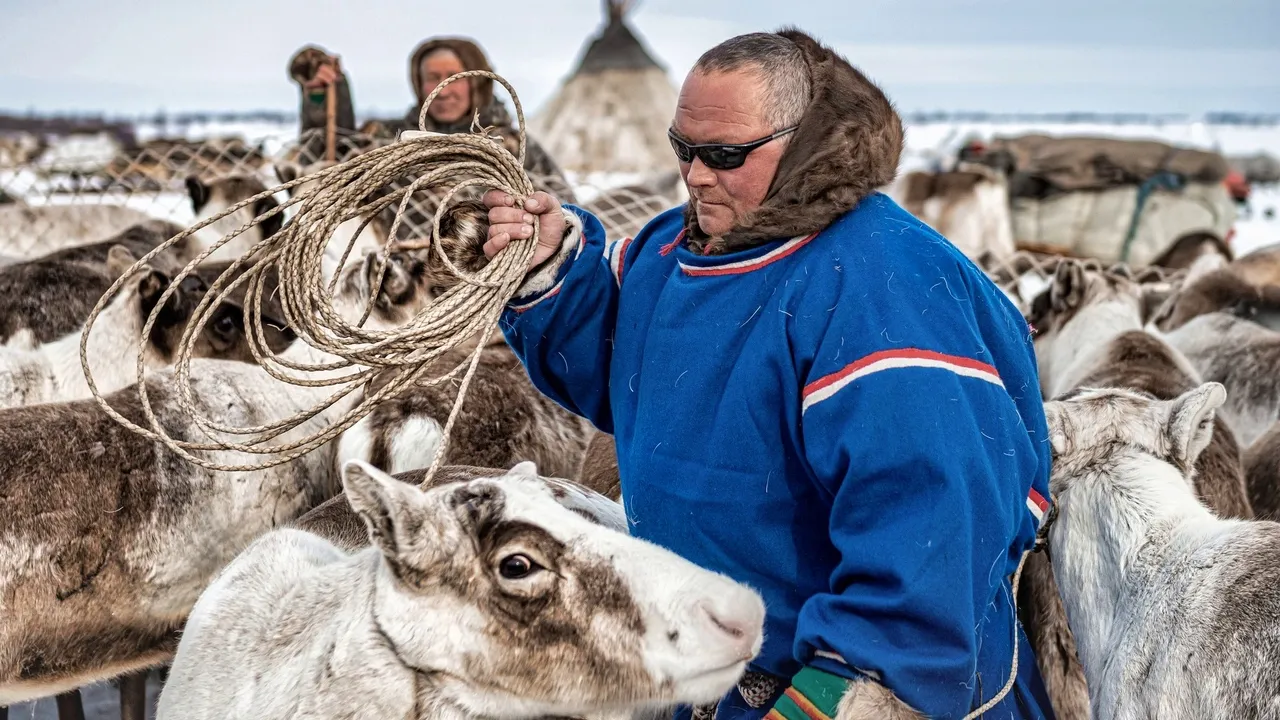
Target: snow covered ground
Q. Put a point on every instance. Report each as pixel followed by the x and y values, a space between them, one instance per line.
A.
pixel 1259 223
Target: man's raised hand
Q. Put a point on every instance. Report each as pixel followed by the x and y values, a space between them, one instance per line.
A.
pixel 508 221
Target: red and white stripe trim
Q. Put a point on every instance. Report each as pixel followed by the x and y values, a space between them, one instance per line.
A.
pixel 1037 505
pixel 617 257
pixel 825 387
pixel 555 290
pixel 745 266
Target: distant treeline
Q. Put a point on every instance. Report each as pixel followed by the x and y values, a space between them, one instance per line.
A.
pixel 1095 118
pixel 14 122
pixel 66 125
pixel 122 126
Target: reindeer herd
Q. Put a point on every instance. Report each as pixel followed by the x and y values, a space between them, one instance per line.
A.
pixel 338 585
pixel 1158 596
pixel 495 588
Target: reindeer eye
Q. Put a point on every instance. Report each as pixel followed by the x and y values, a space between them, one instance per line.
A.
pixel 225 325
pixel 515 567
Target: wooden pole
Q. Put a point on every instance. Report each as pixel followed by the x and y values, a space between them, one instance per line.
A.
pixel 133 696
pixel 70 705
pixel 331 116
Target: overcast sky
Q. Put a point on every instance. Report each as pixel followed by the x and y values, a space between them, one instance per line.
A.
pixel 132 56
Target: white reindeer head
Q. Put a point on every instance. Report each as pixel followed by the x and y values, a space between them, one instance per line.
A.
pixel 517 607
pixel 1094 430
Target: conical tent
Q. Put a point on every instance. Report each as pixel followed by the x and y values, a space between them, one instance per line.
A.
pixel 612 114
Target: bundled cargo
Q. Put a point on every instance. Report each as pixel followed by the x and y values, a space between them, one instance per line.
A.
pixel 1138 225
pixel 1132 201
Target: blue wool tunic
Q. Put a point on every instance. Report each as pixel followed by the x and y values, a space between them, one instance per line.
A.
pixel 849 422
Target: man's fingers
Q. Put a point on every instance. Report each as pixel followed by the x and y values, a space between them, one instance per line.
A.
pixel 511 220
pixel 495 245
pixel 497 198
pixel 325 75
pixel 500 215
pixel 515 230
pixel 540 202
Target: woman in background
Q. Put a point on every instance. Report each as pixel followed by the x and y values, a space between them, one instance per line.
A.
pixel 459 106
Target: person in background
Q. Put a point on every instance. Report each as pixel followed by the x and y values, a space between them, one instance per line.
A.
pixel 461 106
pixel 312 68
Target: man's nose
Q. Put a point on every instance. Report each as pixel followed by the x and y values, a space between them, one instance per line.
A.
pixel 700 175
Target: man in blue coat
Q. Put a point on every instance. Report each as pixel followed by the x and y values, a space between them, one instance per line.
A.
pixel 810 391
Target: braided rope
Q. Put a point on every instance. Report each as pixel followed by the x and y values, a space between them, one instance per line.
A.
pixel 296 252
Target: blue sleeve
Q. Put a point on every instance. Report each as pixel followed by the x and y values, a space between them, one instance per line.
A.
pixel 929 465
pixel 563 331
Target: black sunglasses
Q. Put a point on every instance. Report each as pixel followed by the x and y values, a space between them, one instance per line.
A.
pixel 720 156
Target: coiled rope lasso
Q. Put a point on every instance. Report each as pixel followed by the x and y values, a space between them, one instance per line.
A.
pixel 472 307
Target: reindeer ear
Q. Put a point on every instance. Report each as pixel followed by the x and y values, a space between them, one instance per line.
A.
pixel 1055 416
pixel 198 191
pixel 392 510
pixel 1148 274
pixel 152 286
pixel 525 470
pixel 1189 425
pixel 119 260
pixel 287 172
pixel 1040 310
pixel 1068 287
pixel 271 225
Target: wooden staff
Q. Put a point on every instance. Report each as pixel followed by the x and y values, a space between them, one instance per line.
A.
pixel 331 115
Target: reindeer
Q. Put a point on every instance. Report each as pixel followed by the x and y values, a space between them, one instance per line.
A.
pixel 1220 290
pixel 1089 333
pixel 210 199
pixel 477 599
pixel 53 372
pixel 1243 356
pixel 108 538
pixel 1262 474
pixel 1173 608
pixel 599 467
pixel 53 295
pixel 504 418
